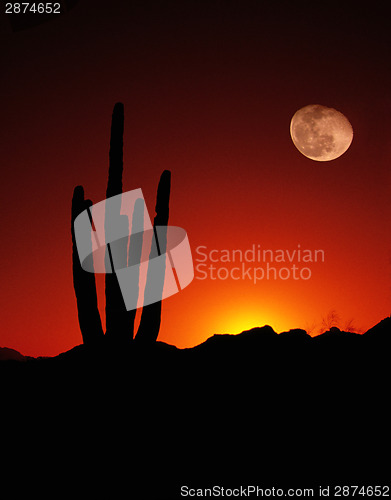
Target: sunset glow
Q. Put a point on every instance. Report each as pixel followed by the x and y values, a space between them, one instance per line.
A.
pixel 210 97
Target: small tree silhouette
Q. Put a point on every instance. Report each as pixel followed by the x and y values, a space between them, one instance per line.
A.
pixel 119 321
pixel 331 320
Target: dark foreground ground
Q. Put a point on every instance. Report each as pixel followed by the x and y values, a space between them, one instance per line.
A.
pixel 282 411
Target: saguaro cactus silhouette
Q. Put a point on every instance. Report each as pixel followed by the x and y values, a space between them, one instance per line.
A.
pixel 119 321
pixel 150 318
pixel 83 282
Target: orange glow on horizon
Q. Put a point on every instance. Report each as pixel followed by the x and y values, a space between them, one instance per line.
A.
pixel 209 97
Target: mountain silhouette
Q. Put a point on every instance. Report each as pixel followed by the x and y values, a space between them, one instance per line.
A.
pixel 380 332
pixel 253 408
pixel 7 354
pixel 254 342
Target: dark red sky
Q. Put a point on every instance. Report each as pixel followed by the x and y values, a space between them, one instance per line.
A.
pixel 209 89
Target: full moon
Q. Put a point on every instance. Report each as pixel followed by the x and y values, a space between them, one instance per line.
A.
pixel 321 133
